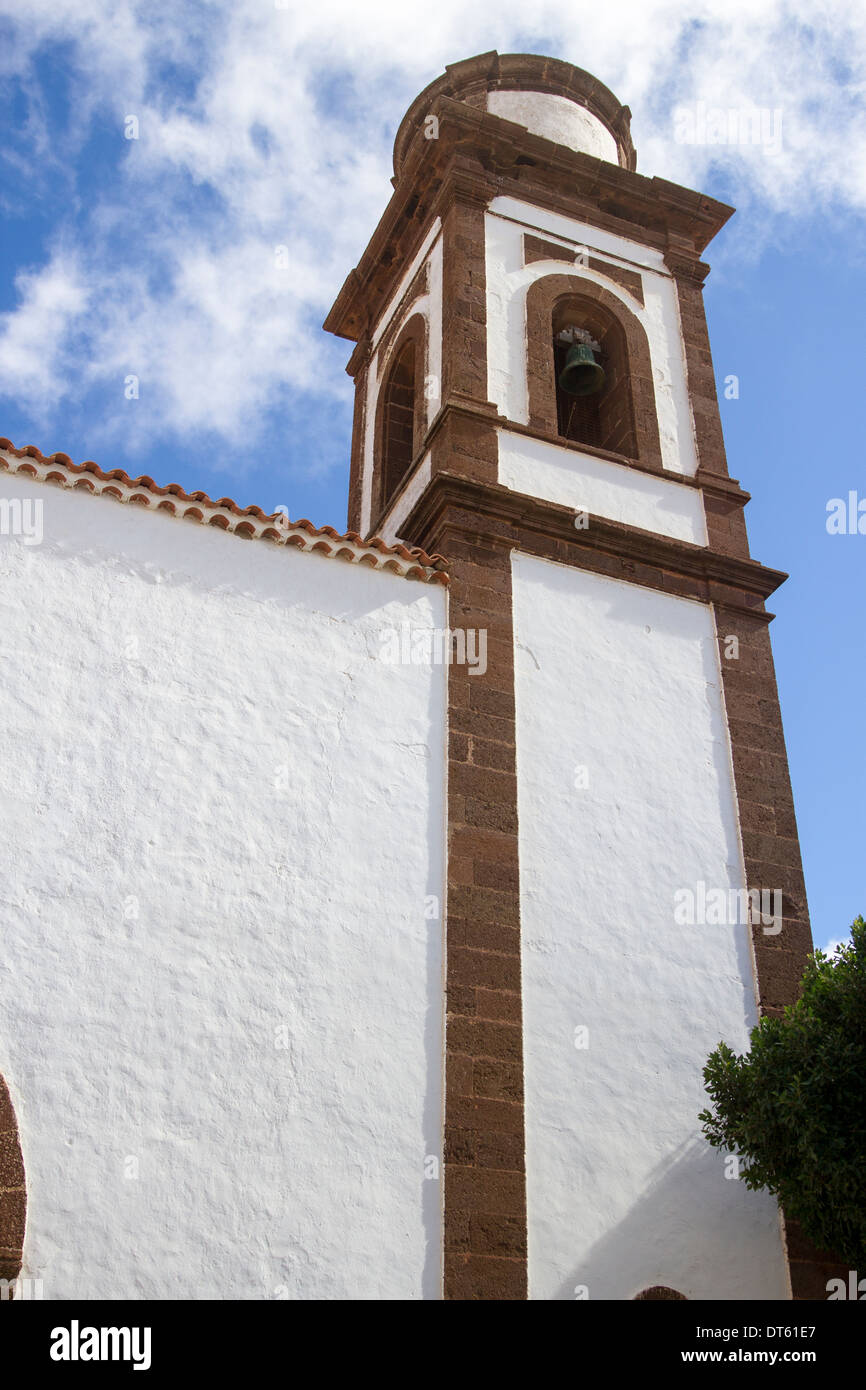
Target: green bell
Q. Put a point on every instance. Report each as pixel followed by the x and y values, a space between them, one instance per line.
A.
pixel 581 375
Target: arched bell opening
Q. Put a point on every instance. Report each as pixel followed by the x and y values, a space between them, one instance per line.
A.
pixel 623 417
pixel 661 1293
pixel 591 377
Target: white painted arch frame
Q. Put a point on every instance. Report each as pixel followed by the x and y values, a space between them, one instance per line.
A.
pixel 429 307
pixel 507 341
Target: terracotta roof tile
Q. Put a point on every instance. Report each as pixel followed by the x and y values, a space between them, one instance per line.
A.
pixel 251 523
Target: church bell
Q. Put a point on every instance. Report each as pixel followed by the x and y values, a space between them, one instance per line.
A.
pixel 581 375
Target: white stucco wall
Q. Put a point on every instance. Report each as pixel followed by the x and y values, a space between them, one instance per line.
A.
pixel 557 118
pixel 574 479
pixel 220 998
pixel 508 281
pixel 622 1190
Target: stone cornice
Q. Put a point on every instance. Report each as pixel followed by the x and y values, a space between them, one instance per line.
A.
pixel 360 357
pixel 719 485
pixel 686 266
pixel 455 506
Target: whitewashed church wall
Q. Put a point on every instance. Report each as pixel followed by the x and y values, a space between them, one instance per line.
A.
pixel 222 852
pixel 625 798
pixel 601 487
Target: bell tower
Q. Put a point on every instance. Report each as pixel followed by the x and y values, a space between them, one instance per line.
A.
pixel 535 400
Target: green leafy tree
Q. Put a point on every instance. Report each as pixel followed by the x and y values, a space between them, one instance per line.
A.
pixel 794 1107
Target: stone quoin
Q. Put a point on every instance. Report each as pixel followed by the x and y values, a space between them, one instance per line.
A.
pixel 330 972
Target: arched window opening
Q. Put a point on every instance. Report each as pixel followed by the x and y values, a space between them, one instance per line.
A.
pixel 398 421
pixel 660 1291
pixel 603 418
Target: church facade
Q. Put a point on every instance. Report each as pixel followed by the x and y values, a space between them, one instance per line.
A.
pixel 368 924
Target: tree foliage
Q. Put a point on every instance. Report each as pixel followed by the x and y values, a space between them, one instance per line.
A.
pixel 794 1107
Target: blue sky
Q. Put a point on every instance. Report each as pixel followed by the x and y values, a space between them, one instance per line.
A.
pixel 267 123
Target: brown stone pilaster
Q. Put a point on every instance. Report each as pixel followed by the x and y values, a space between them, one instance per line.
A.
pixel 460 443
pixel 358 367
pixel 485 1238
pixel 485 1195
pixel 13 1197
pixel 810 1269
pixel 768 826
pixel 723 499
pixel 464 285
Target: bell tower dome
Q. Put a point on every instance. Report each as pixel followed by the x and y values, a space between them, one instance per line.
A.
pixel 535 400
pixel 546 96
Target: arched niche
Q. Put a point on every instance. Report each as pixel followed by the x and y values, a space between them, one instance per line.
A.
pixel 400 422
pixel 622 419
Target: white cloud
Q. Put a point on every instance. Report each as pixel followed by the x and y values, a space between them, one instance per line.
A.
pixel 287 116
pixel 216 345
pixel 830 948
pixel 32 337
